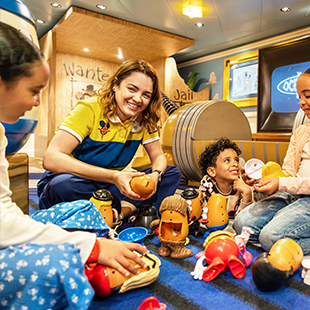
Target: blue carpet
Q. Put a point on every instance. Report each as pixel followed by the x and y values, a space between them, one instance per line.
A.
pixel 180 291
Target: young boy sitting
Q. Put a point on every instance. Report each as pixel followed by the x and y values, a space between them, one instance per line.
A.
pixel 220 166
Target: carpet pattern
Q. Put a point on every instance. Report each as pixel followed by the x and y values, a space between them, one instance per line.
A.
pixel 180 291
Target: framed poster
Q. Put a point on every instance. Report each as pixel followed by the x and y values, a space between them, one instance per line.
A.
pixel 240 79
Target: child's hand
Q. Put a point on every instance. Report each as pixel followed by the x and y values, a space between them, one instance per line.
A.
pixel 240 186
pixel 115 254
pixel 245 177
pixel 268 186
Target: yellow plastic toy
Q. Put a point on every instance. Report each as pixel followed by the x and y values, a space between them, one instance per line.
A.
pixel 286 254
pixel 215 214
pixel 273 170
pixel 173 227
pixel 271 270
pixel 102 199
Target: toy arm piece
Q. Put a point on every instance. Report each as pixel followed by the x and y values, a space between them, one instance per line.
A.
pixel 236 266
pixel 246 256
pixel 199 268
pixel 213 270
pixel 112 234
pixel 204 215
pixel 242 239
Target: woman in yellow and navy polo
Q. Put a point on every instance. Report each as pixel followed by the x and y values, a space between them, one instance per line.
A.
pixel 100 137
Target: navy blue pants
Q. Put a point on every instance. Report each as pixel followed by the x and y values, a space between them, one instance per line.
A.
pixel 56 188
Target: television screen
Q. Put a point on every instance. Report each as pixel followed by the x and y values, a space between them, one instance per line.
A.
pixel 278 69
pixel 284 97
pixel 243 82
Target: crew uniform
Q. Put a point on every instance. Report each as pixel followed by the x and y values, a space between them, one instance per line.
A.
pixel 104 142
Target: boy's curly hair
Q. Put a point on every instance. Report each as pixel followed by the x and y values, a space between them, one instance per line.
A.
pixel 209 156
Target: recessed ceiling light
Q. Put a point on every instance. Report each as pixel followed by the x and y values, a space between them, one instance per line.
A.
pixel 120 54
pixel 101 6
pixel 199 25
pixel 285 9
pixel 56 5
pixel 85 49
pixel 40 21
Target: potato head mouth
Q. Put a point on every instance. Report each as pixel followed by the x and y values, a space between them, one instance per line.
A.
pixel 173 226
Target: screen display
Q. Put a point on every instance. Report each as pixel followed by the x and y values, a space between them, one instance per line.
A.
pixel 283 93
pixel 243 80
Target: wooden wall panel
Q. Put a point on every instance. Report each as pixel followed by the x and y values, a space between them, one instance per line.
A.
pixel 177 90
pixel 78 78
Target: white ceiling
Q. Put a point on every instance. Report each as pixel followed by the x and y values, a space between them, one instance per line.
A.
pixel 227 23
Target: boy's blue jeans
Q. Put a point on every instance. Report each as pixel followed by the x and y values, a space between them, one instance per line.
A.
pixel 281 215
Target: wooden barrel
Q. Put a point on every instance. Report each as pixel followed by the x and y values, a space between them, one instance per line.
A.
pixel 205 120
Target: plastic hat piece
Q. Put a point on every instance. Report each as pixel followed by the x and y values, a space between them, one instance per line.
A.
pixel 151 303
pixel 133 234
pixel 253 168
pixel 273 170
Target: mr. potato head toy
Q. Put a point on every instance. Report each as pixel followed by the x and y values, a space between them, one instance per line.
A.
pixel 105 279
pixel 173 227
pixel 215 215
pixel 221 253
pixel 143 185
pixel 103 199
pixel 193 200
pixel 271 270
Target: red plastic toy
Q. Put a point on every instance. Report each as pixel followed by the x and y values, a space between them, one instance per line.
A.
pixel 152 303
pixel 221 253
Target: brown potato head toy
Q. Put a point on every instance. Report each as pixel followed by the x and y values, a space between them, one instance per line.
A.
pixel 173 227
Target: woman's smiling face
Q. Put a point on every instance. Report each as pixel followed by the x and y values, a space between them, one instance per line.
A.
pixel 133 95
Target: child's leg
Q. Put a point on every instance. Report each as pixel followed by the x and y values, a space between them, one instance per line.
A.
pixel 43 277
pixel 291 222
pixel 260 213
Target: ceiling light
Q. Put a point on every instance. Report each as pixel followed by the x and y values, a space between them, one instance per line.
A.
pixel 285 9
pixel 120 54
pixel 40 21
pixel 85 49
pixel 55 5
pixel 199 25
pixel 192 8
pixel 101 6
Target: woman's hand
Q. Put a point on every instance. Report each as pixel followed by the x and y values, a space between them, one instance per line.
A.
pixel 122 181
pixel 115 254
pixel 268 186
